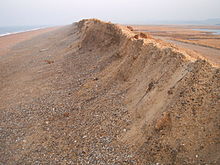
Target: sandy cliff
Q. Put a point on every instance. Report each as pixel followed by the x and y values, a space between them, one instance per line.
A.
pixel 173 96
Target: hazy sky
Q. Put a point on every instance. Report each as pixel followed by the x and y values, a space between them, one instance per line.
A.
pixel 54 12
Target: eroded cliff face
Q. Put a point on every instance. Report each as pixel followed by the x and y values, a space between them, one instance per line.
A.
pixel 172 96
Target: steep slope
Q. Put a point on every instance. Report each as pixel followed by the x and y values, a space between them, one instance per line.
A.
pixel 173 96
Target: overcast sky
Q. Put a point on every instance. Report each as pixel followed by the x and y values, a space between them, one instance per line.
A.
pixel 55 12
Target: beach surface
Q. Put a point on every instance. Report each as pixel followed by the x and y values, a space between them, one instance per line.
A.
pixel 6 42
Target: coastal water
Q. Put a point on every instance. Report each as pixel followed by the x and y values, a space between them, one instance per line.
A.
pixel 214 31
pixel 16 29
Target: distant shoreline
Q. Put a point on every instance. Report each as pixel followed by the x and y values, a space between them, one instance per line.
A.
pixel 23 31
pixel 6 34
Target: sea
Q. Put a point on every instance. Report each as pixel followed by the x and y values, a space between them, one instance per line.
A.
pixel 7 30
pixel 213 31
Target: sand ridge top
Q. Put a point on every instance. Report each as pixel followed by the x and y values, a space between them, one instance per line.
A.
pixel 94 28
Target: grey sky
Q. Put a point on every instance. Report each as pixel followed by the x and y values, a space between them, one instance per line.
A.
pixel 50 12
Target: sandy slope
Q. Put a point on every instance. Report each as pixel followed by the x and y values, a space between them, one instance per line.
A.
pixel 94 93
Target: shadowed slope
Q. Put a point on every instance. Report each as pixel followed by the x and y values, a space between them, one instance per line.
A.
pixel 172 95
